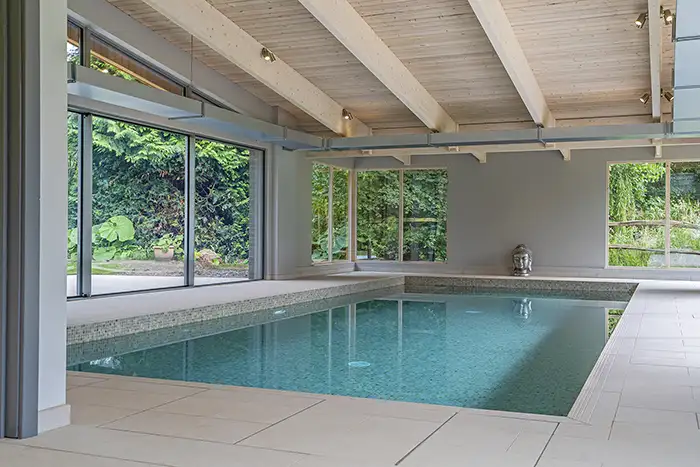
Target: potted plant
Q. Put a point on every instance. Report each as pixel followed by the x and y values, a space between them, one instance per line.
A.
pixel 164 247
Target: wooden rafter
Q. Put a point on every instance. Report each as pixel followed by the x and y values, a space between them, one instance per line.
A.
pixel 217 31
pixel 346 24
pixel 498 29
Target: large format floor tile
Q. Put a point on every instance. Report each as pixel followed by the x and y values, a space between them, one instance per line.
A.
pixel 117 398
pixel 23 456
pixel 187 426
pixel 175 452
pixel 325 432
pixel 483 440
pixel 244 406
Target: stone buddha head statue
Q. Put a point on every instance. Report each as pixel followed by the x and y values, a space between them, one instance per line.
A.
pixel 522 261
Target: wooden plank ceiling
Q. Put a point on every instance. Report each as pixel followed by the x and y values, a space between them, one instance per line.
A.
pixel 589 59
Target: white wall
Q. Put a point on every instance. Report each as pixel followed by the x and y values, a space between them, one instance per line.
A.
pixel 557 208
pixel 54 215
pixel 289 213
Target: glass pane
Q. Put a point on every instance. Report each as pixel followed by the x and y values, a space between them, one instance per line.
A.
pixel 320 182
pixel 109 59
pixel 637 246
pixel 685 214
pixel 225 195
pixel 73 44
pixel 340 214
pixel 73 125
pixel 378 215
pixel 637 207
pixel 138 207
pixel 425 215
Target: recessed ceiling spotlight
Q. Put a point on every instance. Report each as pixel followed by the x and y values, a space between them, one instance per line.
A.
pixel 644 98
pixel 347 115
pixel 668 16
pixel 267 55
pixel 641 20
pixel 668 95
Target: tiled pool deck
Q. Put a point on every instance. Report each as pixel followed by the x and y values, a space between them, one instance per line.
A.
pixel 642 411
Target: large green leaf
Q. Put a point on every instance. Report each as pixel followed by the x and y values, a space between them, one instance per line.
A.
pixel 104 253
pixel 72 238
pixel 117 228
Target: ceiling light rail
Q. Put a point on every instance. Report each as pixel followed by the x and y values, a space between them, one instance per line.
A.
pixel 489 138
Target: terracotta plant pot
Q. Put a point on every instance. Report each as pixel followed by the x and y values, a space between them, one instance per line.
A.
pixel 164 255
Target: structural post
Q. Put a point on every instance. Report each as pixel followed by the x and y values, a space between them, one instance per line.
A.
pixel 189 210
pixel 85 206
pixel 401 221
pixel 21 152
pixel 352 215
pixel 330 214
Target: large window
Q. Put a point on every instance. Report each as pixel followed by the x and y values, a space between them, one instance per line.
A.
pixel 73 127
pixel 109 59
pixel 330 233
pixel 654 215
pixel 320 208
pixel 73 43
pixel 141 195
pixel 402 215
pixel 138 207
pixel 227 209
pixel 425 215
pixel 150 208
pixel 378 201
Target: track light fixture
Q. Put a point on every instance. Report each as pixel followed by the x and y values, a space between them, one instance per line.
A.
pixel 668 16
pixel 644 98
pixel 668 95
pixel 347 115
pixel 641 20
pixel 267 55
pixel 665 14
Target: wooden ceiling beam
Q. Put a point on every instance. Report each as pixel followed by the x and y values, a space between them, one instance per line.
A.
pixel 213 28
pixel 498 29
pixel 655 24
pixel 351 30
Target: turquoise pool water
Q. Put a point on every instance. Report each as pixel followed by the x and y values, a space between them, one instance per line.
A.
pixel 491 352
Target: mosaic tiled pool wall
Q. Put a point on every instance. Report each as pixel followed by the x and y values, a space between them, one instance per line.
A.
pixel 589 290
pixel 133 325
pixel 586 290
pixel 94 350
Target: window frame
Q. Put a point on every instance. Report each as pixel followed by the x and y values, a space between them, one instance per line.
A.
pixel 85 116
pixel 667 215
pixel 401 215
pixel 350 256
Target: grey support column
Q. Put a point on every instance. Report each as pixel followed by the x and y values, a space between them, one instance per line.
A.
pixel 85 207
pixel 20 183
pixel 190 173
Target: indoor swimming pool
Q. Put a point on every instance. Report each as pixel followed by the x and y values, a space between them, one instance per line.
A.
pixel 500 352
